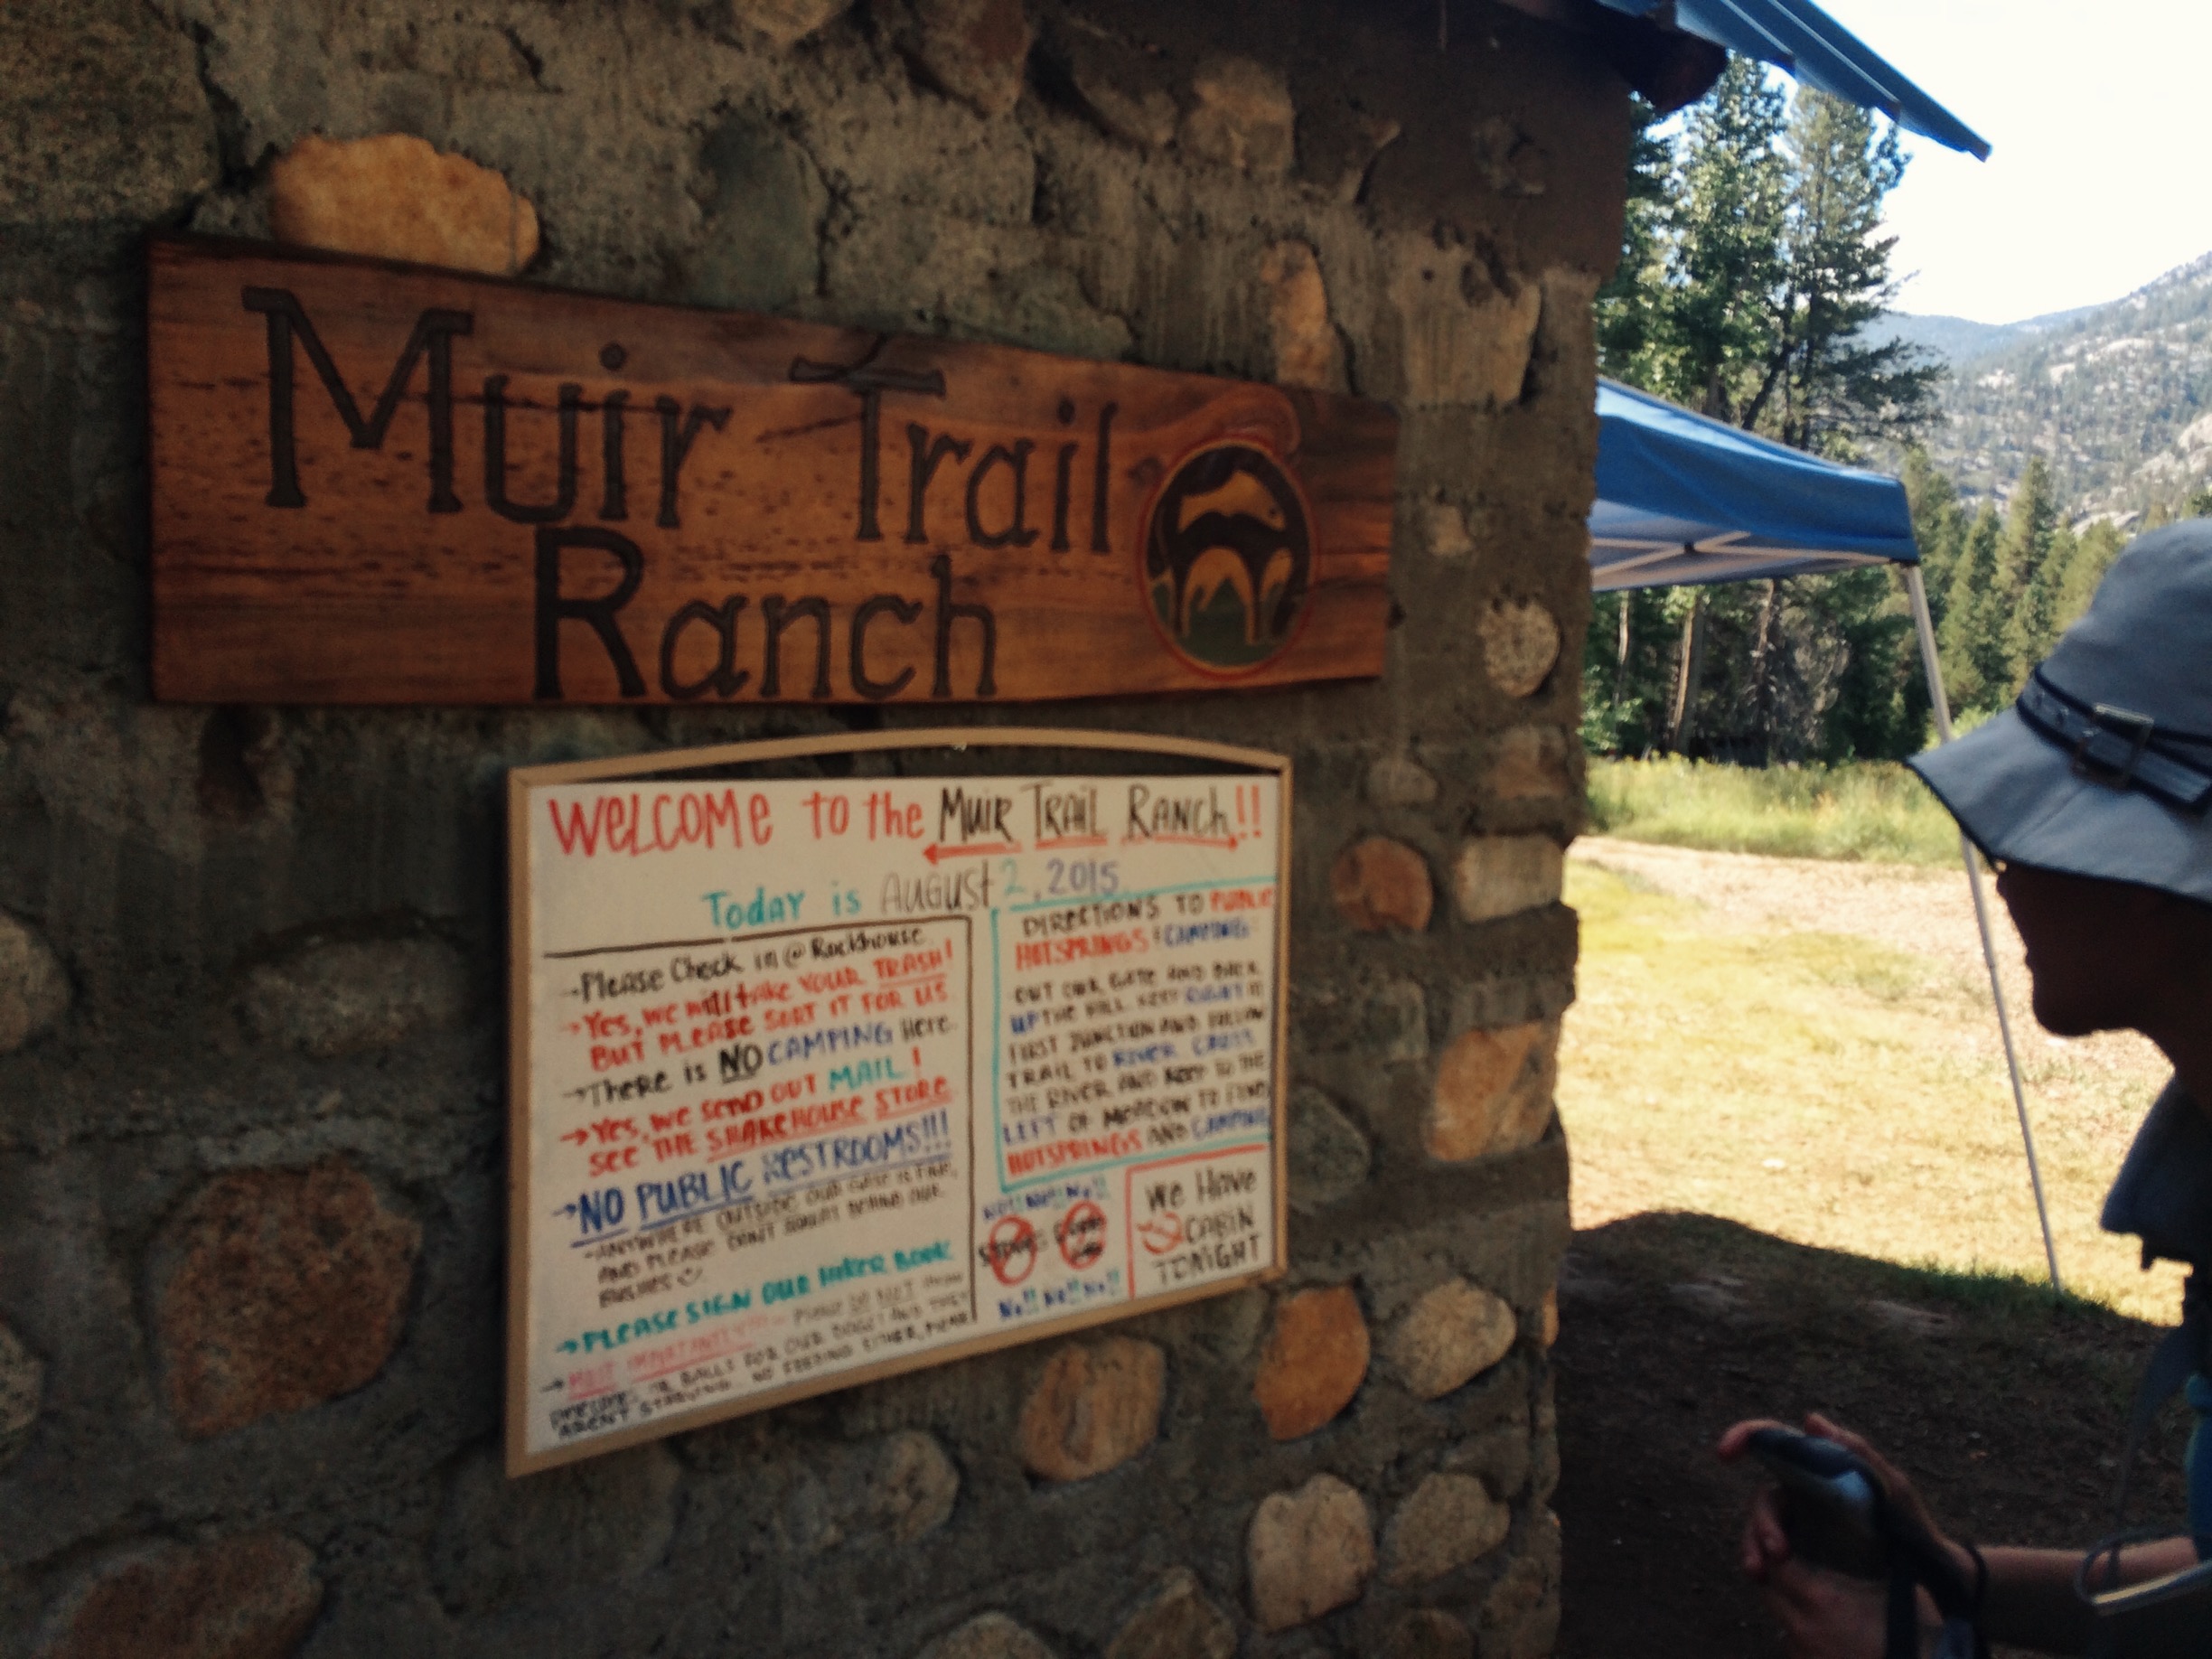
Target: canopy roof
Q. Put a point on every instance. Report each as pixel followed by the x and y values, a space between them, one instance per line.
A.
pixel 1820 51
pixel 1681 499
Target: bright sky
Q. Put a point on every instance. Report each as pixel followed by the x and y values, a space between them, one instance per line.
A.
pixel 2096 115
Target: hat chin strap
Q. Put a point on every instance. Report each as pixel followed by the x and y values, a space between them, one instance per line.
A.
pixel 2118 747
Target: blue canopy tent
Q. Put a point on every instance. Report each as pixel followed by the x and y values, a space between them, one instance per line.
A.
pixel 1683 500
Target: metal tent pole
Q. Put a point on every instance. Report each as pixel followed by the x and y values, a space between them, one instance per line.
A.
pixel 1925 628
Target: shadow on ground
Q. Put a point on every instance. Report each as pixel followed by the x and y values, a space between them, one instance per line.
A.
pixel 2010 1409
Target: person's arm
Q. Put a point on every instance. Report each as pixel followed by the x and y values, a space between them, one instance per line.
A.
pixel 2031 1604
pixel 2030 1601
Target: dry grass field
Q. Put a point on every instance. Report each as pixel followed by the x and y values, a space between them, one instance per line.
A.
pixel 1808 1047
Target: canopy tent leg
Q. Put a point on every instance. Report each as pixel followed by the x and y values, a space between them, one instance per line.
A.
pixel 1933 668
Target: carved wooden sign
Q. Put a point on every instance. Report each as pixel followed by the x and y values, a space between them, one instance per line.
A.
pixel 381 484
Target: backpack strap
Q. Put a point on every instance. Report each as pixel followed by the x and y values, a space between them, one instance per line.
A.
pixel 1917 1563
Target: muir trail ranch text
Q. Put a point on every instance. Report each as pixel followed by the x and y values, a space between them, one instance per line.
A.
pixel 384 484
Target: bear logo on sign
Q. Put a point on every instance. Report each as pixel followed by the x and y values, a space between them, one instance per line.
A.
pixel 1228 558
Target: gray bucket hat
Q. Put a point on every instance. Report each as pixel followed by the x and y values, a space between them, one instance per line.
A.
pixel 2103 766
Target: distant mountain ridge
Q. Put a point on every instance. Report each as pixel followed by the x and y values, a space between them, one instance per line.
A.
pixel 2116 398
pixel 1959 340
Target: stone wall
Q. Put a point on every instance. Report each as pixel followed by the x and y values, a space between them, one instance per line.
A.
pixel 251 1106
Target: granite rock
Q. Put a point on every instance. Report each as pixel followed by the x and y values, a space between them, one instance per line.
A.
pixel 251 1596
pixel 1521 645
pixel 1096 1406
pixel 1242 116
pixel 916 1486
pixel 1532 763
pixel 1327 1156
pixel 974 51
pixel 1429 1632
pixel 278 1289
pixel 1395 781
pixel 1452 1333
pixel 1449 1520
pixel 1309 1552
pixel 990 1635
pixel 34 990
pixel 1177 1623
pixel 1499 875
pixel 339 997
pixel 788 22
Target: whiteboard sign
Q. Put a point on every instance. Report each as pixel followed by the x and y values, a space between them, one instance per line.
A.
pixel 819 1080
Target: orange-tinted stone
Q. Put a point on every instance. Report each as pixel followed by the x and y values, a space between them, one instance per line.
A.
pixel 1308 352
pixel 1379 883
pixel 282 1288
pixel 248 1598
pixel 1314 1362
pixel 976 51
pixel 394 196
pixel 1241 115
pixel 1494 1091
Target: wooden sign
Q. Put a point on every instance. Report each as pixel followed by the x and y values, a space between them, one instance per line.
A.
pixel 381 484
pixel 817 1081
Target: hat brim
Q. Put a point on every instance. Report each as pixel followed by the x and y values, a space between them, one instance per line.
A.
pixel 2018 798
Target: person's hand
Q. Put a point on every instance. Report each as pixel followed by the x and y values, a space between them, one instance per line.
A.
pixel 1824 1615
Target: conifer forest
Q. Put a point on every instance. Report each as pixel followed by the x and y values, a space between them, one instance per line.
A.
pixel 1754 285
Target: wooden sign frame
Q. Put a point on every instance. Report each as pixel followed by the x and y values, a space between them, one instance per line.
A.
pixel 382 484
pixel 717 762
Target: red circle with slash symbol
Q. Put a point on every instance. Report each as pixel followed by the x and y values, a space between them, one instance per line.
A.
pixel 1081 1234
pixel 1011 1251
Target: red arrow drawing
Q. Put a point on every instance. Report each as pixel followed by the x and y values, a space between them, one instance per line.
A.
pixel 934 853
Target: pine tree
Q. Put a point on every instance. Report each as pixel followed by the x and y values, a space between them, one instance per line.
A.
pixel 1725 269
pixel 1972 640
pixel 1824 386
pixel 1940 526
pixel 2099 544
pixel 1623 316
pixel 2027 577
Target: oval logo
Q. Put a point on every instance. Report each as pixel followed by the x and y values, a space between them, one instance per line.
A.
pixel 1228 558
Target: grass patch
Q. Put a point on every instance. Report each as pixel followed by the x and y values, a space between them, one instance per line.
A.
pixel 1866 810
pixel 1830 1091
